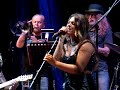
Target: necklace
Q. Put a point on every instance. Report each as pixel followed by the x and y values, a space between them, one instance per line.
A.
pixel 73 49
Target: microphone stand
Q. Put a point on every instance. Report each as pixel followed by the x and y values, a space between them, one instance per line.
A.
pixel 43 62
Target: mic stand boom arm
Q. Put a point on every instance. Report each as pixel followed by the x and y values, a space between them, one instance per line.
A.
pixel 43 63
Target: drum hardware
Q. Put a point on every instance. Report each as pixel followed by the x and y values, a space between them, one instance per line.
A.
pixel 115 78
pixel 114 47
pixel 117 34
pixel 114 82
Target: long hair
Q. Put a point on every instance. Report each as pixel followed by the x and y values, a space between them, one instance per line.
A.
pixel 81 25
pixel 103 25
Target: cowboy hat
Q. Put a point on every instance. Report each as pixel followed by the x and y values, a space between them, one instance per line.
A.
pixel 95 8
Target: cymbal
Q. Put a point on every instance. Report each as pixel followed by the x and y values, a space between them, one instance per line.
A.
pixel 117 34
pixel 114 47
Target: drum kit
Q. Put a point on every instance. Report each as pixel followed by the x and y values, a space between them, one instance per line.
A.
pixel 116 77
pixel 115 47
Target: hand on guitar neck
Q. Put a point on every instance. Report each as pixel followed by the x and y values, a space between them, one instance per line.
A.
pixel 14 86
pixel 14 82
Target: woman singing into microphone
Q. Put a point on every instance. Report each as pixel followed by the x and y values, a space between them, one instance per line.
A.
pixel 74 52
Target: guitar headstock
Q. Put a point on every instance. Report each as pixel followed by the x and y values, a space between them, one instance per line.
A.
pixel 24 77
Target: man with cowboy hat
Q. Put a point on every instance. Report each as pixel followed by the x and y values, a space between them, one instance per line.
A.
pixel 100 35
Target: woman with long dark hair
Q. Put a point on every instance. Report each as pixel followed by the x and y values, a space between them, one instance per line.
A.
pixel 73 52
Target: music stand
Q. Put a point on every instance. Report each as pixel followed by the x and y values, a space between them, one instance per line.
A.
pixel 36 52
pixel 50 51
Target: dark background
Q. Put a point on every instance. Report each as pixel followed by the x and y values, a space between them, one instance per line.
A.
pixel 56 13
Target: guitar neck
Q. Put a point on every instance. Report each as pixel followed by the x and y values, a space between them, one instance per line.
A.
pixel 15 80
pixel 8 83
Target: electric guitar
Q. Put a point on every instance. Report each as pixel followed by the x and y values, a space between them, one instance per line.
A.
pixel 16 80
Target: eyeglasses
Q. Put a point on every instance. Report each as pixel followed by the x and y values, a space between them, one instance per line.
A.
pixel 92 14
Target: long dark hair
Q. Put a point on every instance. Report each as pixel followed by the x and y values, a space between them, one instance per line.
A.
pixel 82 25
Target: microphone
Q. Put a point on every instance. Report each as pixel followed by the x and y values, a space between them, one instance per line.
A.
pixel 61 32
